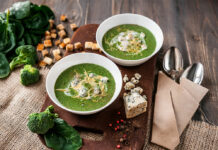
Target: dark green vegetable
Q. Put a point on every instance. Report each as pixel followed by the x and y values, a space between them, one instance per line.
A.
pixel 4 66
pixel 41 122
pixel 7 36
pixel 20 10
pixel 63 136
pixel 26 55
pixel 22 24
pixel 29 75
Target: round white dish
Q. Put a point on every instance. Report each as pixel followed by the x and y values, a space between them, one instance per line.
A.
pixel 129 18
pixel 80 58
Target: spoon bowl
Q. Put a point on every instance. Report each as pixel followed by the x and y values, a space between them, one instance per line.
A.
pixel 173 62
pixel 194 72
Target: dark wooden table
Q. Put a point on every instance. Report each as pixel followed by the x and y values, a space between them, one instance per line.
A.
pixel 190 25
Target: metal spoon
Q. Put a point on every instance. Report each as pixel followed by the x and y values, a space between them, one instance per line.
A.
pixel 173 62
pixel 194 72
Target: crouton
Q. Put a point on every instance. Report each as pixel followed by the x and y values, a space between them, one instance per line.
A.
pixel 66 40
pixel 53 35
pixel 48 37
pixel 62 45
pixel 44 53
pixel 56 51
pixel 77 45
pixel 47 33
pixel 57 42
pixel 95 46
pixel 42 64
pixel 88 45
pixel 63 18
pixel 62 34
pixel 69 47
pixel 60 27
pixel 47 43
pixel 40 47
pixel 73 26
pixel 53 30
pixel 51 23
pixel 57 57
pixel 47 60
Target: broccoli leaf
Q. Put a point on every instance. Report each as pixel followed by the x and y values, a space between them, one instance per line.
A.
pixel 63 136
pixel 4 66
pixel 20 9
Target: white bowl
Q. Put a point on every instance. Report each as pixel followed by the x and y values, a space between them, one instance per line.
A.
pixel 130 19
pixel 80 58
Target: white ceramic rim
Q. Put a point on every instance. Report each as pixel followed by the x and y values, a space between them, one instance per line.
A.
pixel 67 58
pixel 126 14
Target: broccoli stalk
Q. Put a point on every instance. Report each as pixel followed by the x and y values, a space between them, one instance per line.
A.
pixel 41 122
pixel 29 75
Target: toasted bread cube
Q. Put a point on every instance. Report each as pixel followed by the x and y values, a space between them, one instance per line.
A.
pixel 57 57
pixel 47 33
pixel 69 47
pixel 47 60
pixel 53 35
pixel 60 27
pixel 66 40
pixel 88 45
pixel 73 26
pixel 62 34
pixel 47 43
pixel 42 64
pixel 53 31
pixel 77 45
pixel 44 53
pixel 62 45
pixel 57 42
pixel 40 47
pixel 51 23
pixel 95 46
pixel 48 37
pixel 63 18
pixel 56 51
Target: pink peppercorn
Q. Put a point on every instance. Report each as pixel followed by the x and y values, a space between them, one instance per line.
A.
pixel 110 124
pixel 118 146
pixel 118 121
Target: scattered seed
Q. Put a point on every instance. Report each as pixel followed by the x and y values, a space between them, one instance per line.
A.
pixel 118 121
pixel 110 124
pixel 118 113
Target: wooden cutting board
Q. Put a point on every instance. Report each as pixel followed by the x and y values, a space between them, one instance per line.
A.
pixel 100 122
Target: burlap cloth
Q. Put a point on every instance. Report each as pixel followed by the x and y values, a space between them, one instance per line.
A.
pixel 17 102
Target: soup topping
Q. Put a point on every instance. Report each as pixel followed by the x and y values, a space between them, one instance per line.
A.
pixel 129 41
pixel 87 86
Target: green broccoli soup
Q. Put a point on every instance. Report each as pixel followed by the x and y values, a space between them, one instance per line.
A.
pixel 129 42
pixel 85 87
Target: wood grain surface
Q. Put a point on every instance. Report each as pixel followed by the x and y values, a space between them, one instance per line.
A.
pixel 189 25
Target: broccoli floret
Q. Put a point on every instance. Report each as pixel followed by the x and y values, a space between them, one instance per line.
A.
pixel 41 122
pixel 26 55
pixel 29 75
